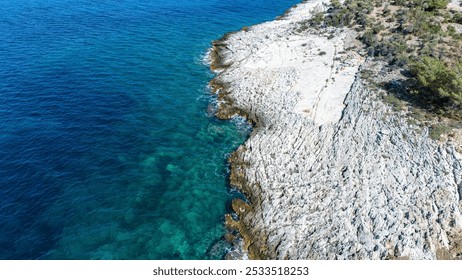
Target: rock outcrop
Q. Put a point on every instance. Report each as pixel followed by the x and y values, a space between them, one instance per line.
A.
pixel 330 171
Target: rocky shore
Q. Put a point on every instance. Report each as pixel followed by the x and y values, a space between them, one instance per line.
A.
pixel 330 171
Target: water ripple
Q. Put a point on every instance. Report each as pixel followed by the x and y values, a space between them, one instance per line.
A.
pixel 106 147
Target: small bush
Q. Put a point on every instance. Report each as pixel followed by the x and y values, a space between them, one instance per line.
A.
pixel 435 4
pixel 451 30
pixel 440 83
pixel 457 18
pixel 394 101
pixel 317 19
pixel 336 4
pixel 437 130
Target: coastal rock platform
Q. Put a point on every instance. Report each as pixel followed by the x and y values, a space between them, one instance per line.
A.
pixel 330 171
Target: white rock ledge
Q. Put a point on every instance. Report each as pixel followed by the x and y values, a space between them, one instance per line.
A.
pixel 329 171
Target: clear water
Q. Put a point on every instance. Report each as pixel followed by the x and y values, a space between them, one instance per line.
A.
pixel 107 149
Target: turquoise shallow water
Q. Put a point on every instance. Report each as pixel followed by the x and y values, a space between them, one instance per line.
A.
pixel 107 149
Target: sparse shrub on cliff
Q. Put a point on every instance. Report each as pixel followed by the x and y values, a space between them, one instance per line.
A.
pixel 440 83
pixel 377 27
pixel 336 4
pixel 431 5
pixel 317 19
pixel 457 18
pixel 424 23
pixel 351 13
pixel 436 131
pixel 428 5
pixel 451 30
pixel 404 31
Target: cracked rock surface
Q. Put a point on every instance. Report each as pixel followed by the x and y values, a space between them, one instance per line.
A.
pixel 330 171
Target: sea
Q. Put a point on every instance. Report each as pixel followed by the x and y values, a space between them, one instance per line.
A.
pixel 109 148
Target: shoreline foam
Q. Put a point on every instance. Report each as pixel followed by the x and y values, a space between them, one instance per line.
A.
pixel 329 171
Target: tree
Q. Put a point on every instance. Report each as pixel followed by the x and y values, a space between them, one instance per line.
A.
pixel 437 4
pixel 336 4
pixel 431 5
pixel 441 83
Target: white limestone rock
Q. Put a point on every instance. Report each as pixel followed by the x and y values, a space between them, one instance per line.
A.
pixel 330 171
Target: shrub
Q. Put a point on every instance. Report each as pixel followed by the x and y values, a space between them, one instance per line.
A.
pixel 451 30
pixel 440 83
pixel 317 19
pixel 437 130
pixel 336 4
pixel 457 18
pixel 436 4
pixel 424 23
pixel 394 101
pixel 430 5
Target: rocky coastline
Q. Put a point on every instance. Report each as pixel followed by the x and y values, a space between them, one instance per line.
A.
pixel 330 171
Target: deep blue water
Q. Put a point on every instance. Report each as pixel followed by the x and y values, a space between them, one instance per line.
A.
pixel 107 149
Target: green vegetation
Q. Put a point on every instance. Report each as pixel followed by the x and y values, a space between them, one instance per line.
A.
pixel 394 101
pixel 437 130
pixel 415 35
pixel 431 4
pixel 440 83
pixel 457 18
